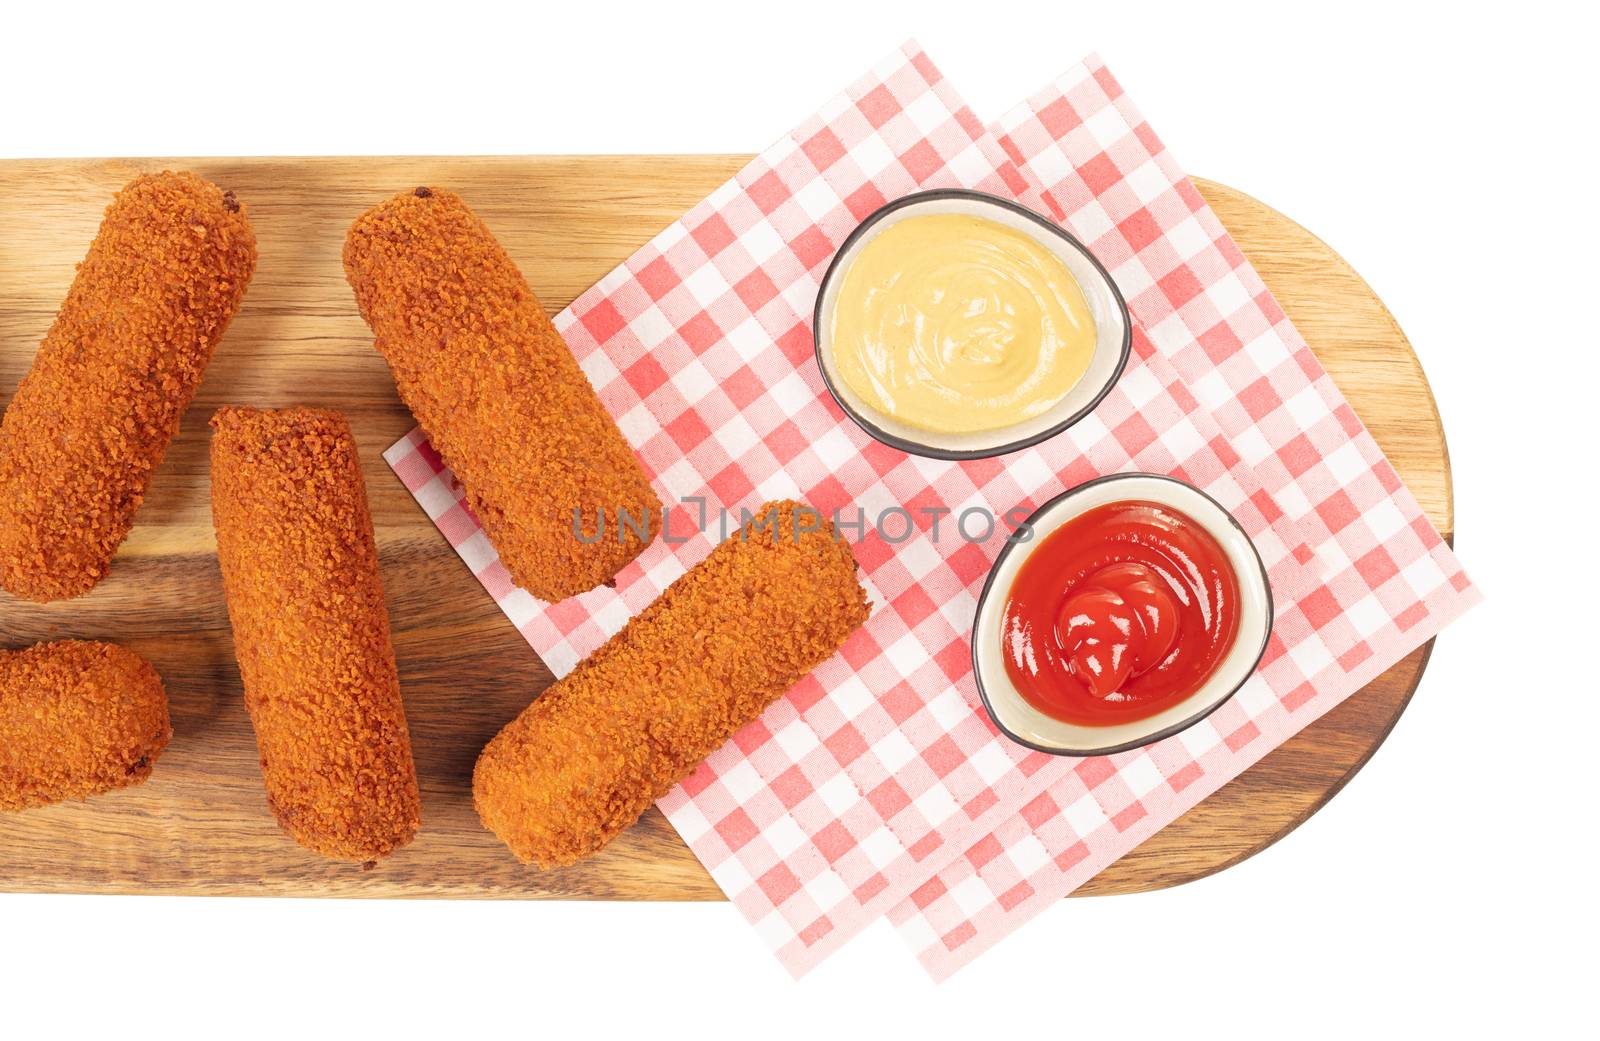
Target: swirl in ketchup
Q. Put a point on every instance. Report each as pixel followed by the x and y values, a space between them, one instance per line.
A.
pixel 1123 611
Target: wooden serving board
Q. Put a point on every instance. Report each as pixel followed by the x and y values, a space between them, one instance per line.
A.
pixel 201 824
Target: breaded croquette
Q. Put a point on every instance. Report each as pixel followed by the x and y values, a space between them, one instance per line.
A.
pixel 635 717
pixel 93 417
pixel 311 630
pixel 497 390
pixel 77 719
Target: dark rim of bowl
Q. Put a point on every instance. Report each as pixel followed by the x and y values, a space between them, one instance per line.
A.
pixel 1165 732
pixel 930 451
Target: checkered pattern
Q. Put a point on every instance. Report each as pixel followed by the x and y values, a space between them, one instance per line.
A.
pixel 824 813
pixel 1106 177
pixel 1390 583
pixel 879 769
pixel 897 715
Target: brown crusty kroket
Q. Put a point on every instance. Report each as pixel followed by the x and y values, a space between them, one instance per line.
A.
pixel 77 719
pixel 311 630
pixel 498 391
pixel 634 718
pixel 114 375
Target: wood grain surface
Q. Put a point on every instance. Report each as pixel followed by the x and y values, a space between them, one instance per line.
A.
pixel 201 824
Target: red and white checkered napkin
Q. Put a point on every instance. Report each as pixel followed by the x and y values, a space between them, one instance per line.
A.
pixel 836 804
pixel 879 770
pixel 1390 581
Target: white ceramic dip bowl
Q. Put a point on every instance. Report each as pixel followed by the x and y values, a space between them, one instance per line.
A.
pixel 1113 329
pixel 1025 724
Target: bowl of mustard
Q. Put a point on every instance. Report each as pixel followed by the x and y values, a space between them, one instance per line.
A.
pixel 956 324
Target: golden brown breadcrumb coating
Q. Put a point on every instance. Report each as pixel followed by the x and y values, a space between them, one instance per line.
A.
pixel 93 417
pixel 497 390
pixel 635 717
pixel 311 630
pixel 77 719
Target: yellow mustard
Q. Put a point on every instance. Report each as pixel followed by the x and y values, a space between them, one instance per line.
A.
pixel 959 324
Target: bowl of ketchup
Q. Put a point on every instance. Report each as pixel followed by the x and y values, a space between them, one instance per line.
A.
pixel 1135 607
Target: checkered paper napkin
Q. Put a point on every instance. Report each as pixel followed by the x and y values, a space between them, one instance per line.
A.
pixel 878 770
pixel 830 809
pixel 1390 583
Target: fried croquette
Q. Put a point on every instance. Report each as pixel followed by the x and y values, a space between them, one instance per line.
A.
pixel 77 719
pixel 635 717
pixel 500 395
pixel 311 630
pixel 114 375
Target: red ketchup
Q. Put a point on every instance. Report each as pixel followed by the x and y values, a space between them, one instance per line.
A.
pixel 1123 611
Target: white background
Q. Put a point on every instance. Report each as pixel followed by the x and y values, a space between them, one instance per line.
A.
pixel 1446 152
